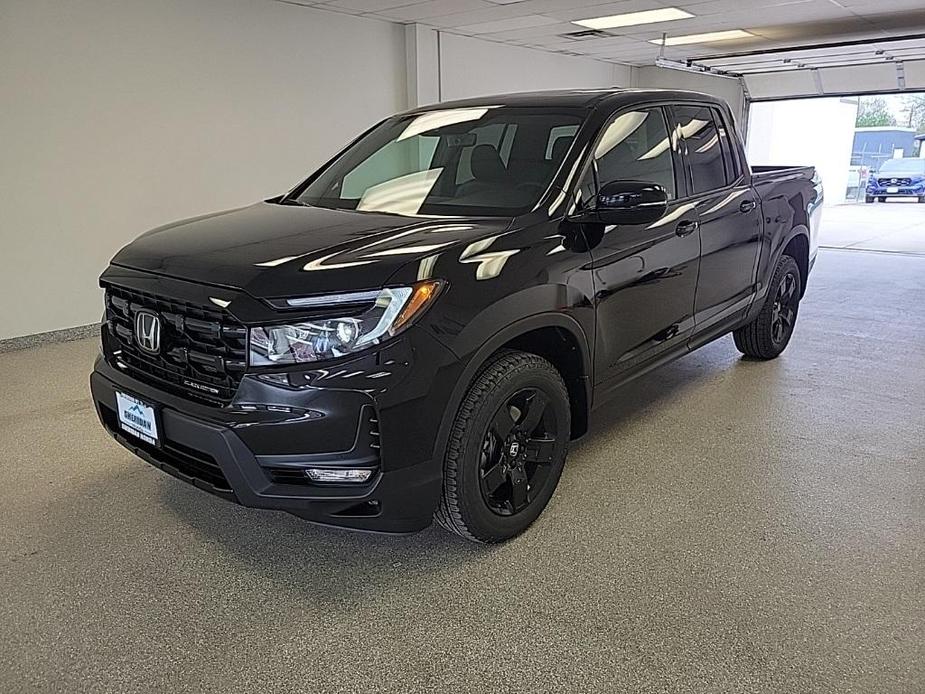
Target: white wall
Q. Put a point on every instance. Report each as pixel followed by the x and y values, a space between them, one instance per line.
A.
pixel 119 115
pixel 472 67
pixel 817 132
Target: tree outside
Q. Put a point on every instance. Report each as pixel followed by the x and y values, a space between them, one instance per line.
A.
pixel 874 111
pixel 913 115
pixel 892 110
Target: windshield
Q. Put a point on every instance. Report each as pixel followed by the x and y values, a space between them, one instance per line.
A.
pixel 903 166
pixel 480 161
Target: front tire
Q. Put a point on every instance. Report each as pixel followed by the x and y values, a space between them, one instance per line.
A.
pixel 506 450
pixel 881 199
pixel 769 333
pixel 869 199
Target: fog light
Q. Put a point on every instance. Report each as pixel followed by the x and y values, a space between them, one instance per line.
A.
pixel 318 474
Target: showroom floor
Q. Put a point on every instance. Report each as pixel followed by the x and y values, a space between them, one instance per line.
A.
pixel 730 526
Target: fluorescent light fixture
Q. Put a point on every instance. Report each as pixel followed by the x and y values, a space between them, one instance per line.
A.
pixel 704 38
pixel 666 14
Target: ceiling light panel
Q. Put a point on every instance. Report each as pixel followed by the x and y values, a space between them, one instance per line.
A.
pixel 709 37
pixel 665 14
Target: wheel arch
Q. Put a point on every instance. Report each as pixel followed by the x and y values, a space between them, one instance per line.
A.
pixel 557 337
pixel 797 247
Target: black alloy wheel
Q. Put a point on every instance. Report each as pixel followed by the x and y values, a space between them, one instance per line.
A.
pixel 769 333
pixel 517 452
pixel 784 309
pixel 506 449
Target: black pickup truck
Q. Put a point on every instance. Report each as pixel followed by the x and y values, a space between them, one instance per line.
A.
pixel 420 328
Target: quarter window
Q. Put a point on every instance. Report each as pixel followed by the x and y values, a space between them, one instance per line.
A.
pixel 729 159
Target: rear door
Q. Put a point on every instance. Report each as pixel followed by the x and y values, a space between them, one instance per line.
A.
pixel 728 210
pixel 645 275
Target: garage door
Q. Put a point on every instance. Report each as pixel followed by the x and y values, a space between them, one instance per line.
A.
pixel 849 67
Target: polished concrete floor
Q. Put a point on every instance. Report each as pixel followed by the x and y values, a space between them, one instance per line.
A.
pixel 730 526
pixel 896 225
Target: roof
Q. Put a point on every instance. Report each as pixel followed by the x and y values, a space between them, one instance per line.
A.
pixel 572 98
pixel 884 128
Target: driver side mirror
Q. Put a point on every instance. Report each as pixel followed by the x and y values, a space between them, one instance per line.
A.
pixel 627 202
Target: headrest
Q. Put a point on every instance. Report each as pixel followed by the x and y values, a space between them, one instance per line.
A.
pixel 560 147
pixel 486 164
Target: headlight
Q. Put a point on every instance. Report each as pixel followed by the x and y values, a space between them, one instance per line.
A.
pixel 325 337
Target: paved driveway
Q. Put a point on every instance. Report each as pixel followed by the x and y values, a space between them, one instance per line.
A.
pixel 895 225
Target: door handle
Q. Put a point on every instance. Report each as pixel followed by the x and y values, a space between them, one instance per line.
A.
pixel 748 206
pixel 686 227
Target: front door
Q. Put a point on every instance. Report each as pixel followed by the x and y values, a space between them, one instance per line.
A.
pixel 645 275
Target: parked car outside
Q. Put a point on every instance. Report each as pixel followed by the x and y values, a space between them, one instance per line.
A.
pixel 898 178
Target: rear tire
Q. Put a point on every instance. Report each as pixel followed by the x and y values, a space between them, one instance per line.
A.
pixel 869 199
pixel 769 333
pixel 922 198
pixel 506 450
pixel 881 199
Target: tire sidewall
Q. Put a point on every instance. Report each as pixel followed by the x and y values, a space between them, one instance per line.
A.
pixel 784 266
pixel 480 519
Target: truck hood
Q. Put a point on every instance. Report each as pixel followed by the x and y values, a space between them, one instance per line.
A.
pixel 271 250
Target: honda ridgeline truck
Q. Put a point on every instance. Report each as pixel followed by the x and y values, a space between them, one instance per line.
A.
pixel 420 327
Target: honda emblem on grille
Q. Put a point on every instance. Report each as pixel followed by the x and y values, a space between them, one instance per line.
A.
pixel 148 331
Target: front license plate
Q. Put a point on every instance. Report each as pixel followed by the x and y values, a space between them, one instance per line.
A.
pixel 137 417
pixel 892 189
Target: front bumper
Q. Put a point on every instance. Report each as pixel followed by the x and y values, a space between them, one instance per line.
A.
pixel 913 191
pixel 254 450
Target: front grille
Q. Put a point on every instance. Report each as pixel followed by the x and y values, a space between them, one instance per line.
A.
pixel 202 353
pixel 894 181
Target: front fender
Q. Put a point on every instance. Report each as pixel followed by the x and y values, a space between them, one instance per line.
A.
pixel 487 346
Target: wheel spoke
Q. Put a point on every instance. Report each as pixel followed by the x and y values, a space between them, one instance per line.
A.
pixel 494 477
pixel 503 423
pixel 535 407
pixel 787 317
pixel 790 287
pixel 541 450
pixel 777 330
pixel 519 497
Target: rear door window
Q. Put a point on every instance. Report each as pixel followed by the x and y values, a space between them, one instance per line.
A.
pixel 704 151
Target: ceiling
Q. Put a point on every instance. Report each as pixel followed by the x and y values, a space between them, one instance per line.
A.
pixel 545 24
